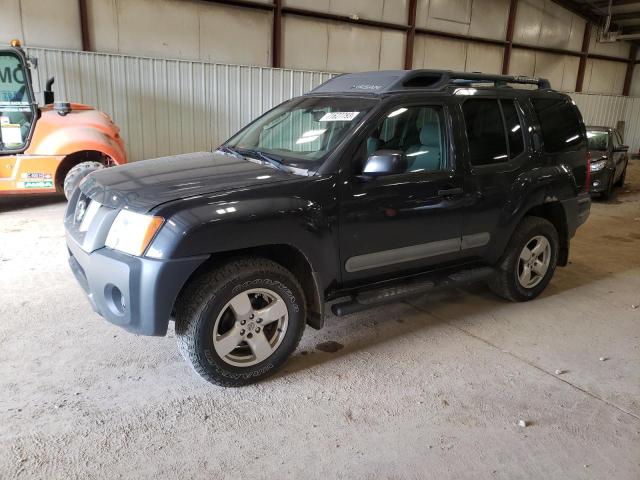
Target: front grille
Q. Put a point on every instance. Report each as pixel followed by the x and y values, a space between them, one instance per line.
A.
pixel 87 222
pixel 76 210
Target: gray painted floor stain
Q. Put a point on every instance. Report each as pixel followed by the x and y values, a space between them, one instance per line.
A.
pixel 329 347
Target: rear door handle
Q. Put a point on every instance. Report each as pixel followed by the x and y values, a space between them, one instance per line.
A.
pixel 451 192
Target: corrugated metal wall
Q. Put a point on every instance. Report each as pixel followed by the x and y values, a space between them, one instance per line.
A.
pixel 608 110
pixel 166 107
pixel 632 126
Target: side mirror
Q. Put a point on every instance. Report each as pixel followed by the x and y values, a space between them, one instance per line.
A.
pixel 621 148
pixel 48 92
pixel 384 162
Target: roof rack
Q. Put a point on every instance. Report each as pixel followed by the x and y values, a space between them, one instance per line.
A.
pixel 387 81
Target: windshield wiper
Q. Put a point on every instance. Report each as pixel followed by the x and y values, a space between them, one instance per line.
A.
pixel 233 152
pixel 266 158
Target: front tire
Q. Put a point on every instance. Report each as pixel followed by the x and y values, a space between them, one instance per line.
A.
pixel 74 176
pixel 239 323
pixel 529 261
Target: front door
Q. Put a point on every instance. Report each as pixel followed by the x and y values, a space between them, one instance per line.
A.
pixel 409 221
pixel 619 156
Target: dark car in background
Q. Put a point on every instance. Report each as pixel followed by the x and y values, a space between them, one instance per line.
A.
pixel 609 160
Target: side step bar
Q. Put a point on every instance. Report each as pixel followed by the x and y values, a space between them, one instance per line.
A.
pixel 373 298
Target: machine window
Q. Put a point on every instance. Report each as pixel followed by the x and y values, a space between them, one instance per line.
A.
pixel 16 110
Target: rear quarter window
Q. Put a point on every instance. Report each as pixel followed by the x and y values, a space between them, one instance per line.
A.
pixel 560 124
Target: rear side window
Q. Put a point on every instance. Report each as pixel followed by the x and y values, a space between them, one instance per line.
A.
pixel 485 131
pixel 494 132
pixel 559 123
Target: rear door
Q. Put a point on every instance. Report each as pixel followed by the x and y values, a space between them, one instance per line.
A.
pixel 496 152
pixel 563 135
pixel 619 157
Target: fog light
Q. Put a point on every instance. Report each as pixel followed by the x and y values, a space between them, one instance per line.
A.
pixel 115 299
pixel 596 184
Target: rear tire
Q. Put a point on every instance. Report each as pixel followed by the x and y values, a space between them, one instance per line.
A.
pixel 533 249
pixel 239 323
pixel 74 176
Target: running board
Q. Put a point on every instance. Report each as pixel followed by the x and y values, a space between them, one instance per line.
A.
pixel 380 296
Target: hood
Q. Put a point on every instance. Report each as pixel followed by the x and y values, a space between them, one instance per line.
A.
pixel 598 154
pixel 143 185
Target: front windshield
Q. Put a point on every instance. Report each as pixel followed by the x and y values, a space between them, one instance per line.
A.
pixel 16 109
pixel 597 139
pixel 301 132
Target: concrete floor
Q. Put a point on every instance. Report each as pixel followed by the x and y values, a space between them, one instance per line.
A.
pixel 427 389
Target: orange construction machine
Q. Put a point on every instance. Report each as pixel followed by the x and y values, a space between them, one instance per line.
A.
pixel 51 148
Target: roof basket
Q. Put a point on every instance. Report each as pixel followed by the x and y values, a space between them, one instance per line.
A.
pixel 406 80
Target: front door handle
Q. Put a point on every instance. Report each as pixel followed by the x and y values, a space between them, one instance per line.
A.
pixel 451 192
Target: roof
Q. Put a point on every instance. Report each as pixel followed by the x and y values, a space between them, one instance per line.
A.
pixel 388 81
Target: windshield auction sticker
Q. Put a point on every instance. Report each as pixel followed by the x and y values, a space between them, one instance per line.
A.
pixel 339 116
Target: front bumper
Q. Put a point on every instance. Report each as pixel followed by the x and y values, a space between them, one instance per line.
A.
pixel 600 180
pixel 134 293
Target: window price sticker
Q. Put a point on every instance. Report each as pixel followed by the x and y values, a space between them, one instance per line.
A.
pixel 339 116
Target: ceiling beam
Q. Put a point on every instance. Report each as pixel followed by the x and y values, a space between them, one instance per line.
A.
pixel 580 9
pixel 633 51
pixel 625 16
pixel 411 35
pixel 615 3
pixel 506 57
pixel 276 35
pixel 586 38
pixel 84 26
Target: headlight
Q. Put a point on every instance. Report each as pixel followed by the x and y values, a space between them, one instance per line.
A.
pixel 598 165
pixel 131 232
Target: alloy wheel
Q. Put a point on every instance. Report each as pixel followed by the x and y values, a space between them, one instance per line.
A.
pixel 250 327
pixel 534 261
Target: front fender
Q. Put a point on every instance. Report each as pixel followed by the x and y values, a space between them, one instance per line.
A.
pixel 305 219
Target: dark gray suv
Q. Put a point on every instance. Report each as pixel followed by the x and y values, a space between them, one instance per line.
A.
pixel 609 160
pixel 371 188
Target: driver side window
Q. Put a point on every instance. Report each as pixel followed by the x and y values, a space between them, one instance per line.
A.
pixel 418 132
